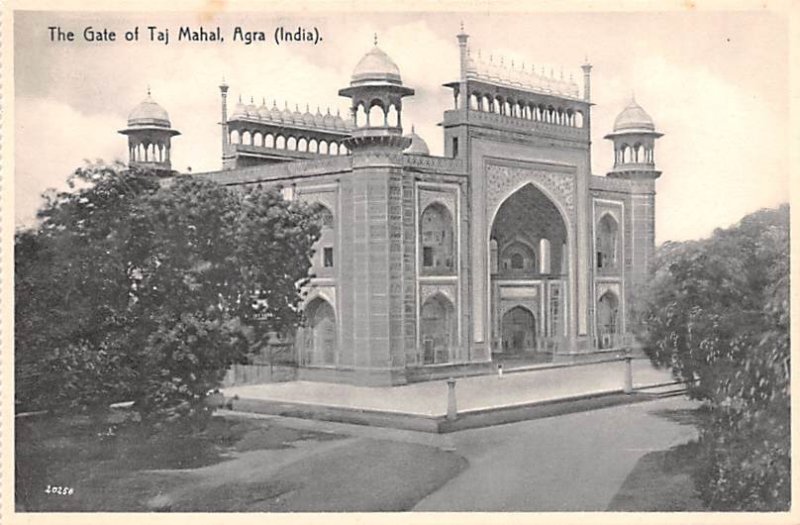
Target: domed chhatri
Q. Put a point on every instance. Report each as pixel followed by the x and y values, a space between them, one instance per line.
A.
pixel 149 135
pixel 634 139
pixel 418 145
pixel 634 118
pixel 376 94
pixel 376 66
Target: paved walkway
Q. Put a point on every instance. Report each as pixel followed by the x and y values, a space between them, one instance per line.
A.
pixel 472 393
pixel 575 462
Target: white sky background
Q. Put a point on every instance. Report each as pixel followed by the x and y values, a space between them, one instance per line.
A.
pixel 716 84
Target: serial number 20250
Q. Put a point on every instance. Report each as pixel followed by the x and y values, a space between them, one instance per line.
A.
pixel 63 491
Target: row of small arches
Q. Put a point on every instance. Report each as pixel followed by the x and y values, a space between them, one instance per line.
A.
pixel 149 152
pixel 526 110
pixel 638 153
pixel 291 143
pixel 376 114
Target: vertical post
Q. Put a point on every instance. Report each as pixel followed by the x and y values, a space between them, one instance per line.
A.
pixel 587 81
pixel 628 389
pixel 452 409
pixel 462 46
pixel 223 90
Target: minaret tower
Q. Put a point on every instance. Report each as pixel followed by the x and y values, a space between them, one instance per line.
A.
pixel 377 239
pixel 634 139
pixel 150 135
pixel 376 82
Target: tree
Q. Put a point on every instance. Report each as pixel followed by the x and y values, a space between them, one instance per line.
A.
pixel 717 313
pixel 134 289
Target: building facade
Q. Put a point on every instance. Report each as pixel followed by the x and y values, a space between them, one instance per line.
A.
pixel 506 247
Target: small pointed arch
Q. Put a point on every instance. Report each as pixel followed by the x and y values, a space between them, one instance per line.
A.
pixel 578 119
pixel 291 143
pixel 627 154
pixel 313 146
pixel 302 144
pixel 247 138
pixel 258 139
pixel 377 114
pixel 269 140
pixel 638 153
pixel 333 148
pixel 393 116
pixel 280 142
pixel 360 115
pixel 473 102
pixel 323 147
pixel 236 137
pixel 518 256
pixel 325 215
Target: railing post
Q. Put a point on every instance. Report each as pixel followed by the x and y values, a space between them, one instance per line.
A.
pixel 628 389
pixel 452 410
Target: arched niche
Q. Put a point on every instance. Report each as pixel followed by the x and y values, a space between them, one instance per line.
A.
pixel 607 243
pixel 438 330
pixel 437 241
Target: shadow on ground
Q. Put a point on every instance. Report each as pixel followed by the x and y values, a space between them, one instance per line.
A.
pixel 231 465
pixel 661 482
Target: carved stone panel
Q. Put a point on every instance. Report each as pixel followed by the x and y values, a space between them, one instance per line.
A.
pixel 428 290
pixel 502 181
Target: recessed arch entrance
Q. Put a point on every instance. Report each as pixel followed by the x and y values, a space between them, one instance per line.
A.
pixel 528 247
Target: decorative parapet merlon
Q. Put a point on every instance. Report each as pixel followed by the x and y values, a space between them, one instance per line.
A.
pixel 507 73
pixel 289 119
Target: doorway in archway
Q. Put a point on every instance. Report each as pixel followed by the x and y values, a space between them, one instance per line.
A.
pixel 518 332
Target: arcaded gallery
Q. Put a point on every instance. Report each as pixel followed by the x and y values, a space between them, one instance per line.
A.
pixel 507 248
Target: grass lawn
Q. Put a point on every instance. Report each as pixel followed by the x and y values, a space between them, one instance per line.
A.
pixel 232 465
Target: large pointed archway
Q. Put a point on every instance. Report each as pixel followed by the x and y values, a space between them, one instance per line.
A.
pixel 529 268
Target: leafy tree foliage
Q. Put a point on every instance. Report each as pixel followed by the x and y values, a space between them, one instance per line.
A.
pixel 134 289
pixel 717 313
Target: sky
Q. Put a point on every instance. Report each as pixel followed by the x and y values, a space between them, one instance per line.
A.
pixel 715 83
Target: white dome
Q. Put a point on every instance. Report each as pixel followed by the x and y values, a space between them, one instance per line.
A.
pixel 148 113
pixel 633 118
pixel 376 66
pixel 418 145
